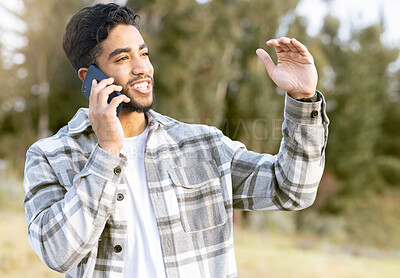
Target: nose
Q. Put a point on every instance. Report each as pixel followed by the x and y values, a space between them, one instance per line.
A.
pixel 142 66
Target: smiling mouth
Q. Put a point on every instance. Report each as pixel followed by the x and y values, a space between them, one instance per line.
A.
pixel 143 87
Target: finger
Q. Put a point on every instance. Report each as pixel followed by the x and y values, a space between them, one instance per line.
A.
pixel 97 87
pixel 275 44
pixel 285 40
pixel 300 47
pixel 293 48
pixel 272 42
pixel 93 96
pixel 284 47
pixel 117 101
pixel 288 43
pixel 284 43
pixel 105 82
pixel 266 59
pixel 104 94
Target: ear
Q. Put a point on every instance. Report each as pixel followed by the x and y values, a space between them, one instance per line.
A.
pixel 82 73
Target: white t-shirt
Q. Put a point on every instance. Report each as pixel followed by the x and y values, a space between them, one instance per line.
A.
pixel 144 255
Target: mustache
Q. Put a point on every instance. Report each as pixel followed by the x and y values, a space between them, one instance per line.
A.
pixel 138 78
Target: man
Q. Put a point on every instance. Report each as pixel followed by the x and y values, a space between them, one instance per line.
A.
pixel 143 195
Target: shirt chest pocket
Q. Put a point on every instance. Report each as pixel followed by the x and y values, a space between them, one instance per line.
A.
pixel 199 195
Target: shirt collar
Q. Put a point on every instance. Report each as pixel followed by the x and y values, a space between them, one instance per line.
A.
pixel 155 119
pixel 80 122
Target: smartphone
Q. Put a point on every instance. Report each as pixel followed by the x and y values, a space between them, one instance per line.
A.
pixel 95 73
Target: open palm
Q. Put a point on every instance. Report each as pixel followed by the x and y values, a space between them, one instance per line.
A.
pixel 295 72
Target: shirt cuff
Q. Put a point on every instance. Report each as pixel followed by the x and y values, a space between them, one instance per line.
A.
pixel 305 112
pixel 314 98
pixel 104 164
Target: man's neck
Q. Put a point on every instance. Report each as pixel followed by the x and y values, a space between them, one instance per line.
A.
pixel 133 123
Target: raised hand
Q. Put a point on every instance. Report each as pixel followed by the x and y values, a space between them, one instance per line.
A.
pixel 295 72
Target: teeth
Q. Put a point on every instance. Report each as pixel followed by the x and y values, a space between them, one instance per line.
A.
pixel 141 85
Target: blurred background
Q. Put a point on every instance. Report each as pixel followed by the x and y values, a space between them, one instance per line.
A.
pixel 206 71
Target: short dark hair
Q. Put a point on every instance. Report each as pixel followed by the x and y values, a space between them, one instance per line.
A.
pixel 89 27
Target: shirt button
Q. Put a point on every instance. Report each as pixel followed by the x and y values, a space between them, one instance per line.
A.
pixel 314 114
pixel 117 170
pixel 120 197
pixel 117 248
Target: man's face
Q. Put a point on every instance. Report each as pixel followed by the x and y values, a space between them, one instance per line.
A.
pixel 125 58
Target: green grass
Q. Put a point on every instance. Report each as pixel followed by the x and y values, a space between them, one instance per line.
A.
pixel 259 254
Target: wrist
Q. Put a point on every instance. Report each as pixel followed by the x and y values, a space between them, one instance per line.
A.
pixel 113 150
pixel 314 98
pixel 302 95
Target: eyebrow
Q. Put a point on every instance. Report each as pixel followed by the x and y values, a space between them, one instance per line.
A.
pixel 123 50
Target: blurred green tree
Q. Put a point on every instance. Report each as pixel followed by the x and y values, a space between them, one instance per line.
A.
pixel 44 89
pixel 50 77
pixel 388 149
pixel 359 98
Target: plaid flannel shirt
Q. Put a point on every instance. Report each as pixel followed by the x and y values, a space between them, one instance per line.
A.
pixel 196 176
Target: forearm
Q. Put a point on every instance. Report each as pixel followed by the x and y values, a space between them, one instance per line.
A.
pixel 288 180
pixel 301 159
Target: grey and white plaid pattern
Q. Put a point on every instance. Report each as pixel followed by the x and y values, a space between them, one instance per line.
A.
pixel 196 176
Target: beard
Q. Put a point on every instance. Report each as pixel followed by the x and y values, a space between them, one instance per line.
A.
pixel 135 104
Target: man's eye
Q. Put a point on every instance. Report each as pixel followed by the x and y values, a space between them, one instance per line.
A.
pixel 121 59
pixel 145 54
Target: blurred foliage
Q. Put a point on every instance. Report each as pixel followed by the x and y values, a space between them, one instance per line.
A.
pixel 381 211
pixel 206 71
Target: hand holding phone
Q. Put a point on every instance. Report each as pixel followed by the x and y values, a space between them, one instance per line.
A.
pixel 95 73
pixel 107 127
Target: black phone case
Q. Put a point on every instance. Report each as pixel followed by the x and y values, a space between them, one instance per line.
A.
pixel 95 73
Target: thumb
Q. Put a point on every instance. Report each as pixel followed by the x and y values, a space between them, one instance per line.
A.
pixel 266 59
